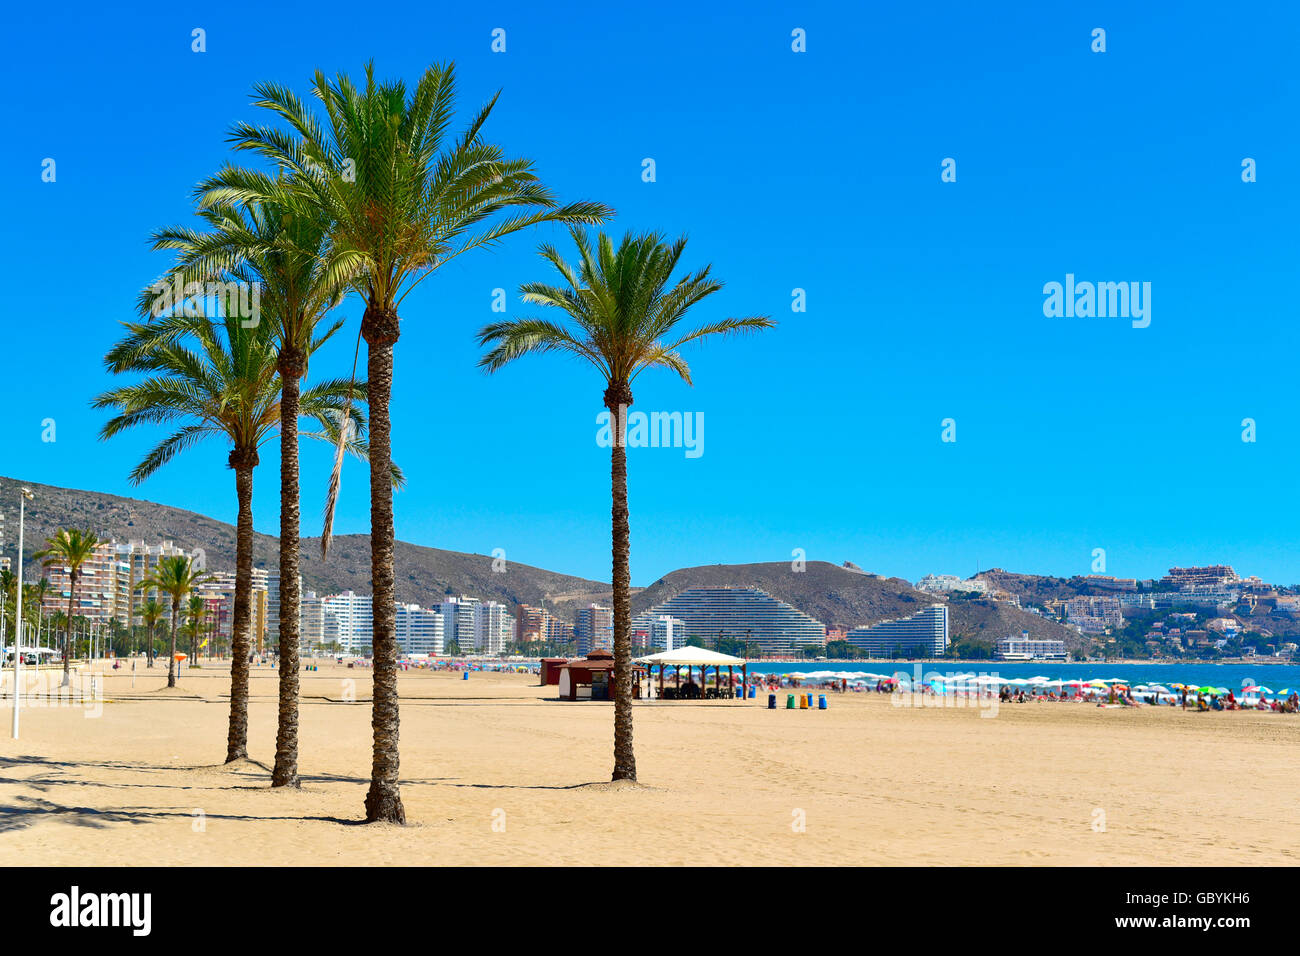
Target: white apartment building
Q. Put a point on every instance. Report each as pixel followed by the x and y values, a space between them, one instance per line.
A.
pixel 348 620
pixel 657 632
pixel 941 583
pixel 458 622
pixel 494 628
pixel 419 629
pixel 1092 615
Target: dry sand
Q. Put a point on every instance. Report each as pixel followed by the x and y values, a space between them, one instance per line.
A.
pixel 496 773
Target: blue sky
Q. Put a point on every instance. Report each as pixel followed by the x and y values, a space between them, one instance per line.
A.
pixel 817 170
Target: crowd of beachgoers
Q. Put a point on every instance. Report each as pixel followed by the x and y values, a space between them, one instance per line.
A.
pixel 1113 691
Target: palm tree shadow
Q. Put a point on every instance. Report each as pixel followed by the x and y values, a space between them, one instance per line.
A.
pixel 595 785
pixel 28 811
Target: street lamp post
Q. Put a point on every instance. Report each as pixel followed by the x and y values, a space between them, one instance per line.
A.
pixel 24 496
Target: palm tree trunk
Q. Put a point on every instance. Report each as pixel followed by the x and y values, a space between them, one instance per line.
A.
pixel 384 800
pixel 242 461
pixel 67 634
pixel 171 658
pixel 618 398
pixel 285 773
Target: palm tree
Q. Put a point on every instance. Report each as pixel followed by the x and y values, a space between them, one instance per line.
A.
pixel 195 608
pixel 226 386
pixel 39 590
pixel 151 613
pixel 9 590
pixel 174 576
pixel 279 242
pixel 70 550
pixel 403 198
pixel 623 319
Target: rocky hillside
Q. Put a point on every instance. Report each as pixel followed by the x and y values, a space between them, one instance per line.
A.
pixel 847 597
pixel 836 596
pixel 423 574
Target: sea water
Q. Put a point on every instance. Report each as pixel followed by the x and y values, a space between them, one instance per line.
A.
pixel 1199 673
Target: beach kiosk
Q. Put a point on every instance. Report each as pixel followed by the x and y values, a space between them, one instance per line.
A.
pixel 692 658
pixel 592 677
pixel 551 667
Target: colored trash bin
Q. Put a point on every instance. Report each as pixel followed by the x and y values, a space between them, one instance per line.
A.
pixel 803 701
pixel 771 701
pixel 821 702
pixel 753 691
pixel 740 692
pixel 465 676
pixel 789 701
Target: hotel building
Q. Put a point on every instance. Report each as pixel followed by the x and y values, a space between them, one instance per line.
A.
pixel 741 613
pixel 925 631
pixel 1025 648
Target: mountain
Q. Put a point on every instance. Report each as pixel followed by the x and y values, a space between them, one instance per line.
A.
pixel 848 597
pixel 837 596
pixel 423 574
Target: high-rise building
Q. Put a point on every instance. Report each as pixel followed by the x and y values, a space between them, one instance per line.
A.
pixel 925 632
pixel 742 613
pixel 530 624
pixel 494 628
pixel 348 621
pixel 652 633
pixel 219 592
pixel 311 621
pixel 101 586
pixel 458 623
pixel 559 632
pixel 535 624
pixel 140 559
pixel 419 630
pixel 594 629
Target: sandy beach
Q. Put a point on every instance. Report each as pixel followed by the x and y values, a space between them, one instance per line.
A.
pixel 495 772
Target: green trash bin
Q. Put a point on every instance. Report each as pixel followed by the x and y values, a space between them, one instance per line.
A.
pixel 789 702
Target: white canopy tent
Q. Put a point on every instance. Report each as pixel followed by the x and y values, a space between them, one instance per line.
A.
pixel 692 657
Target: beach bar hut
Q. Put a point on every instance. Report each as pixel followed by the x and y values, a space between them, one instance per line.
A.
pixel 551 669
pixel 692 658
pixel 592 677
